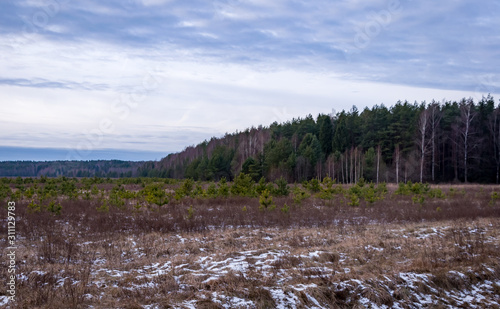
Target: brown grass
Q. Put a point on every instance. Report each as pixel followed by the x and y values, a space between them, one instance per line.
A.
pixel 127 259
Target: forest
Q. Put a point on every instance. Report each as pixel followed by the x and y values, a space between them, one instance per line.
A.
pixel 433 142
pixel 436 142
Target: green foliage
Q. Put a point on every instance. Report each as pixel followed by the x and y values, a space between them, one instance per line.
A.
pixel 137 206
pixel 325 125
pixel 252 168
pixel 279 157
pixel 29 192
pixel 261 186
pixel 212 190
pixel 190 213
pixel 353 200
pixel 282 187
pixel 285 209
pixel 265 200
pixel 299 195
pixel 436 193
pixel 370 195
pixel 243 185
pixel 155 194
pixel 54 208
pixel 412 188
pixel 418 199
pixel 313 185
pixel 5 191
pixel 104 206
pixel 219 164
pixel 34 207
pixel 198 191
pixel 310 149
pixel 185 189
pixel 494 197
pixel 327 191
pixel 223 188
pixel 381 188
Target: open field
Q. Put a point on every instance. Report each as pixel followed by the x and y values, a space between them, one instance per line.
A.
pixel 321 245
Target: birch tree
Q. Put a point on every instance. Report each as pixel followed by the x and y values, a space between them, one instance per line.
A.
pixel 468 140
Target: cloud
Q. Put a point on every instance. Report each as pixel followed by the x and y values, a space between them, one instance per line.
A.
pixel 201 68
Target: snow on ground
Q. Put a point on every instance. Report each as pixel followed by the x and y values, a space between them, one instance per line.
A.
pixel 304 278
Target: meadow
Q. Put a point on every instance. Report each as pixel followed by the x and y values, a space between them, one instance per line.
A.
pixel 164 243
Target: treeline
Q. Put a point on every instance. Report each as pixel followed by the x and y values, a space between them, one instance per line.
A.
pixel 100 168
pixel 428 142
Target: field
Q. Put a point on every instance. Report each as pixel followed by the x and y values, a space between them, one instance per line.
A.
pixel 155 243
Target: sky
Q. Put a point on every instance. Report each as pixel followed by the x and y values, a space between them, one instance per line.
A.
pixel 96 78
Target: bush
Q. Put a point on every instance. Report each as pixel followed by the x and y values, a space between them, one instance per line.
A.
pixel 313 185
pixel 155 194
pixel 198 191
pixel 190 213
pixel 265 200
pixel 353 200
pixel 104 206
pixel 243 185
pixel 299 195
pixel 212 190
pixel 33 207
pixel 185 189
pixel 436 193
pixel 223 187
pixel 285 209
pixel 403 189
pixel 282 187
pixel 54 208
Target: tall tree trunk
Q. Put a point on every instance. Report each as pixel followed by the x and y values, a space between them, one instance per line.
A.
pixel 378 161
pixel 342 168
pixel 422 128
pixel 355 165
pixel 397 163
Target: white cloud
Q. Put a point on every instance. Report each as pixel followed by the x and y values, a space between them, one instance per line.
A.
pixel 155 2
pixel 227 65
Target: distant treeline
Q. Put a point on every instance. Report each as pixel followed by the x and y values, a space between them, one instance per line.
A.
pixel 104 168
pixel 429 142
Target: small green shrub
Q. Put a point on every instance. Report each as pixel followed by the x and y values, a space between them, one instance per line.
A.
pixel 33 207
pixel 313 185
pixel 282 187
pixel 223 188
pixel 54 208
pixel 212 190
pixel 265 200
pixel 104 206
pixel 190 213
pixel 418 199
pixel 353 200
pixel 285 209
pixel 243 185
pixel 299 195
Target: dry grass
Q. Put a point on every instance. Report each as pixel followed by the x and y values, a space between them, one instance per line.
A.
pixel 127 271
pixel 321 252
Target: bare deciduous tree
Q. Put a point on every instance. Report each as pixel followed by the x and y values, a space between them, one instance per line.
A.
pixel 467 133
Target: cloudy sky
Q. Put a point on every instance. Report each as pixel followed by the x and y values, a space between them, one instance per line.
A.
pixel 154 76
